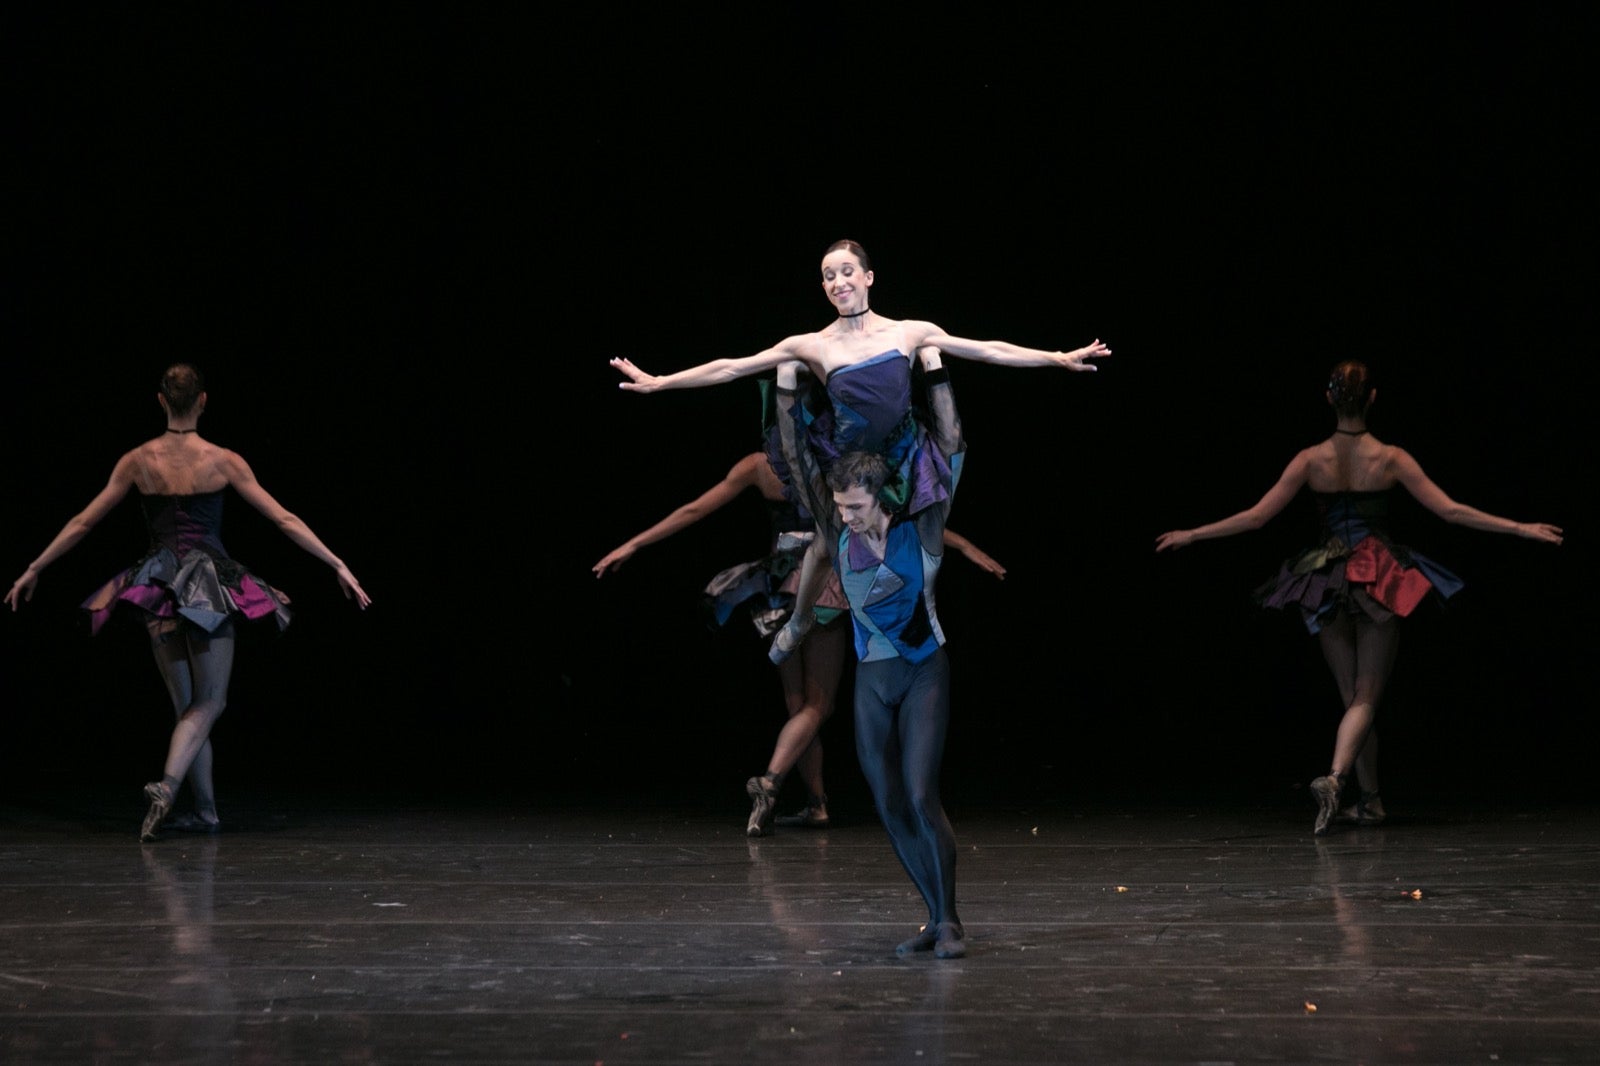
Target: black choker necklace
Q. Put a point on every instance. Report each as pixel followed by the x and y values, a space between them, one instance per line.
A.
pixel 856 314
pixel 1351 432
pixel 171 430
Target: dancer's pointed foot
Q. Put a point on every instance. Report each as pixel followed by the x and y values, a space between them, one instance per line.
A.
pixel 1325 790
pixel 763 795
pixel 160 797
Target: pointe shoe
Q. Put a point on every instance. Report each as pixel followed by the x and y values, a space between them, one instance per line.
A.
pixel 1367 811
pixel 160 797
pixel 950 942
pixel 925 939
pixel 787 639
pixel 763 805
pixel 812 816
pixel 1325 790
pixel 189 822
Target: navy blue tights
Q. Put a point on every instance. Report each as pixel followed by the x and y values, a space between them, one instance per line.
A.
pixel 902 715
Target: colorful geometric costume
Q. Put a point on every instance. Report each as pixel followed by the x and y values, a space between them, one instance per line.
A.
pixel 187 574
pixel 1356 566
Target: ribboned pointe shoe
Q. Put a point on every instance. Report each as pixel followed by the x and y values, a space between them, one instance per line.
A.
pixel 812 816
pixel 950 941
pixel 926 937
pixel 787 639
pixel 1325 790
pixel 160 797
pixel 763 806
pixel 1367 811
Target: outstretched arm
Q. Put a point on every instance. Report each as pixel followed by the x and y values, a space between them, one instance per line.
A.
pixel 742 476
pixel 244 482
pixel 719 370
pixel 1265 509
pixel 1409 473
pixel 75 530
pixel 979 557
pixel 1004 353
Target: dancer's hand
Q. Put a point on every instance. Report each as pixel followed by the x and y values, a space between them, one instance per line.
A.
pixel 1539 531
pixel 638 380
pixel 1178 538
pixel 1078 358
pixel 22 589
pixel 980 558
pixel 352 587
pixel 984 560
pixel 613 560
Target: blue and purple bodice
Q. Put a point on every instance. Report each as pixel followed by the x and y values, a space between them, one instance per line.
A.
pixel 870 410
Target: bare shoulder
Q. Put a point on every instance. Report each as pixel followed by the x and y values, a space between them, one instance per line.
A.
pixel 801 345
pixel 133 464
pixel 1320 452
pixel 230 463
pixel 139 455
pixel 1396 460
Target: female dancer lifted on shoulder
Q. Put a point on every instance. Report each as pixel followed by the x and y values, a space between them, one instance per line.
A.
pixel 864 363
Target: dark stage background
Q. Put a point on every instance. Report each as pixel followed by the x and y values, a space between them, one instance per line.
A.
pixel 403 243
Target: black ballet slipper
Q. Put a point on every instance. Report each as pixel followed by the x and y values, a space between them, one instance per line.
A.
pixel 1366 812
pixel 810 816
pixel 189 822
pixel 923 941
pixel 950 941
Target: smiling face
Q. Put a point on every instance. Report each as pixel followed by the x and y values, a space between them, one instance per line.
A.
pixel 859 509
pixel 845 281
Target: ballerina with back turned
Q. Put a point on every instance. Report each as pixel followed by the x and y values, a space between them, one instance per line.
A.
pixel 1351 585
pixel 187 590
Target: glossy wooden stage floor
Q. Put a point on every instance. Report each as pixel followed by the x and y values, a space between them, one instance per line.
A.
pixel 587 934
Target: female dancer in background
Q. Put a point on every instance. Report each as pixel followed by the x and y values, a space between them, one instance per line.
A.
pixel 1353 583
pixel 186 588
pixel 810 677
pixel 864 362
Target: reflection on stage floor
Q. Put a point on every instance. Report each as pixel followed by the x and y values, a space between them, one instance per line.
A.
pixel 599 933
